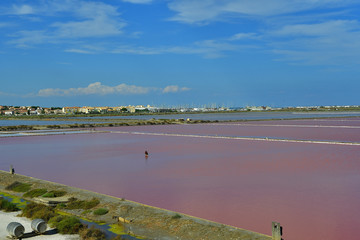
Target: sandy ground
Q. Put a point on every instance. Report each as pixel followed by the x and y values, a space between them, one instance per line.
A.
pixel 6 218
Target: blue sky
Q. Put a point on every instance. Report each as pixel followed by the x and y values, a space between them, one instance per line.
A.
pixel 179 52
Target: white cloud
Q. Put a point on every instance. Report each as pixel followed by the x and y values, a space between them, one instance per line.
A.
pixel 101 20
pixel 4 94
pixel 97 88
pixel 307 36
pixel 301 31
pixel 202 11
pixel 97 27
pixel 22 10
pixel 331 42
pixel 90 20
pixel 242 36
pixel 333 27
pixel 25 39
pixel 206 48
pixel 73 50
pixel 4 24
pixel 127 49
pixel 174 89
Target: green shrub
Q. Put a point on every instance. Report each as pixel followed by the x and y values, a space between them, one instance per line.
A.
pixel 69 225
pixel 7 206
pixel 34 210
pixel 101 211
pixel 82 204
pixel 92 203
pixel 55 220
pixel 35 192
pixel 86 211
pixel 92 234
pixel 19 187
pixel 54 193
pixel 61 206
pixel 176 216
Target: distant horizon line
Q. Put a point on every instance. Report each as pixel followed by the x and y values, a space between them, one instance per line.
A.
pixel 188 106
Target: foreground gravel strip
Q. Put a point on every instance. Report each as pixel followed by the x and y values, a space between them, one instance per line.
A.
pixel 6 218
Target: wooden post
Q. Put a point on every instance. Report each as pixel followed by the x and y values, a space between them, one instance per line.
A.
pixel 276 231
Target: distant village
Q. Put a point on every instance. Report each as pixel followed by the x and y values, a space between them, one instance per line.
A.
pixel 37 110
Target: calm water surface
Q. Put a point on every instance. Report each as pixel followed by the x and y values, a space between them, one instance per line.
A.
pixel 242 183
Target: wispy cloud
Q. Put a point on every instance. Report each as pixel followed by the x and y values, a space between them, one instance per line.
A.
pixel 82 51
pixel 204 11
pixel 24 39
pixel 174 89
pixel 96 27
pixel 4 94
pixel 314 38
pixel 100 21
pixel 330 42
pixel 98 89
pixel 242 36
pixel 5 24
pixel 333 27
pixel 22 9
pixel 128 49
pixel 138 1
pixel 207 49
pixel 95 88
pixel 90 20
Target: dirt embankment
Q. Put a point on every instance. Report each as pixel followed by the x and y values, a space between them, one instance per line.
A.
pixel 94 123
pixel 141 220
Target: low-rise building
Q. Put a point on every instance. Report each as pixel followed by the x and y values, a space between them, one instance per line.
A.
pixel 70 110
pixel 9 112
pixel 21 112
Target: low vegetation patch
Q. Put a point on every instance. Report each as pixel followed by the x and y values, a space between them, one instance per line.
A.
pixel 92 234
pixel 54 193
pixel 86 211
pixel 19 187
pixel 101 211
pixel 176 216
pixel 81 204
pixel 66 224
pixel 35 192
pixel 7 206
pixel 34 210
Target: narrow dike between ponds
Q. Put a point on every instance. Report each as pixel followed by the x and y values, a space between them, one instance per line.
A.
pixel 269 139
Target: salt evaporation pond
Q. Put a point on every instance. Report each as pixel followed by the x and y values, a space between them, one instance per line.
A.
pixel 312 189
